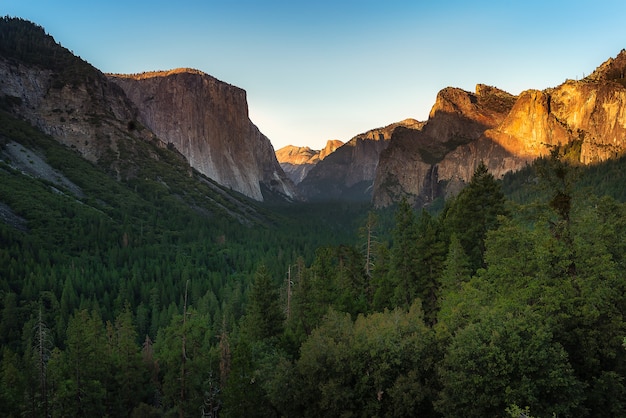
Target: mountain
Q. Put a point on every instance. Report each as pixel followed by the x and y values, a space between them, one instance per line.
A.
pixel 64 96
pixel 504 131
pixel 202 119
pixel 413 164
pixel 296 162
pixel 206 120
pixel 348 173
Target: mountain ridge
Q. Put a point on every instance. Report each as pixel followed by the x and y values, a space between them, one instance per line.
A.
pixel 109 118
pixel 348 173
pixel 504 131
pixel 437 157
pixel 86 110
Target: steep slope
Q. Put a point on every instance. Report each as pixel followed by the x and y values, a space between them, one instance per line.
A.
pixel 64 96
pixel 504 131
pixel 296 162
pixel 348 173
pixel 446 148
pixel 207 121
pixel 591 111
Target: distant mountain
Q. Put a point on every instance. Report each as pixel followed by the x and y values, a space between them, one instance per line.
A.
pixel 348 173
pixel 298 161
pixel 506 132
pixel 110 120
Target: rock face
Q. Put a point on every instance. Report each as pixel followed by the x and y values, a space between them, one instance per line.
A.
pixel 348 173
pixel 207 121
pixel 109 119
pixel 448 147
pixel 296 162
pixel 505 132
pixel 90 115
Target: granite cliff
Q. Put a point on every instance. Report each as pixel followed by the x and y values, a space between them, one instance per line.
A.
pixel 505 132
pixel 296 162
pixel 207 121
pixel 348 173
pixel 114 121
pixel 447 147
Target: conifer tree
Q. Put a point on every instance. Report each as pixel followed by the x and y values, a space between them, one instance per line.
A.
pixel 456 267
pixel 12 383
pixel 430 256
pixel 265 315
pixel 474 212
pixel 42 346
pixel 82 369
pixel 404 272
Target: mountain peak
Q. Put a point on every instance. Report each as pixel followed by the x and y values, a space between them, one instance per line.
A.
pixel 298 161
pixel 613 69
pixel 331 146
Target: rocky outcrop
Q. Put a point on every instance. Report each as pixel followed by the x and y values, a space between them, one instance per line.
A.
pixel 207 121
pixel 296 162
pixel 90 115
pixel 591 111
pixel 348 173
pixel 446 149
pixel 505 132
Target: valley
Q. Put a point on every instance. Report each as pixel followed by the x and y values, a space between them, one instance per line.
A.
pixel 158 258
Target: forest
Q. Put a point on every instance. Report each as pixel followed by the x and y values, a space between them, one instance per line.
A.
pixel 130 301
pixel 161 294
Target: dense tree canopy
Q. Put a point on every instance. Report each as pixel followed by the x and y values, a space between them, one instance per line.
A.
pixel 142 300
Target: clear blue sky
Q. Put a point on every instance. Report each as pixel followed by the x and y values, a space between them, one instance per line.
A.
pixel 322 70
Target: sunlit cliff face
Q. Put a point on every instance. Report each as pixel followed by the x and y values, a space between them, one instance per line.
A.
pixel 593 113
pixel 529 128
pixel 506 132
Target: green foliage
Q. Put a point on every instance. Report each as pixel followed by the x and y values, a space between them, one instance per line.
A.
pixel 184 362
pixel 12 383
pixel 141 295
pixel 474 212
pixel 378 365
pixel 251 389
pixel 79 374
pixel 404 254
pixel 265 314
pixel 504 359
pixel 431 254
pixel 24 41
pixel 456 267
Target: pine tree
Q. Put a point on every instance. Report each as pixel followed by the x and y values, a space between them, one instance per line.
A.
pixel 430 253
pixel 130 374
pixel 42 346
pixel 265 315
pixel 404 272
pixel 474 212
pixel 456 267
pixel 82 369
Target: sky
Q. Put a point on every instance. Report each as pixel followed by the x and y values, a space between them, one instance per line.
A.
pixel 320 70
